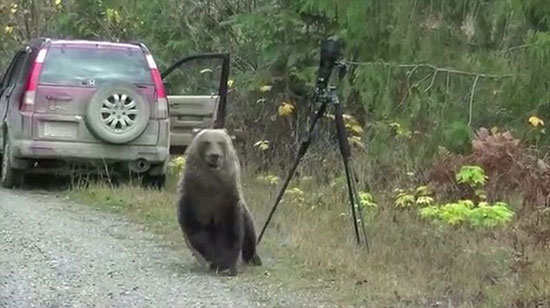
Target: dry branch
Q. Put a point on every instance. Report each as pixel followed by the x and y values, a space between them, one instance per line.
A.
pixel 433 76
pixel 434 68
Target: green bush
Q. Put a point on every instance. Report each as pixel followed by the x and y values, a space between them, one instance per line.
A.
pixel 482 215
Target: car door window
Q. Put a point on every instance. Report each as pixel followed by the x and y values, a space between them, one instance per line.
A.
pixel 199 77
pixel 23 66
pixel 196 89
pixel 6 87
pixel 15 74
pixel 7 80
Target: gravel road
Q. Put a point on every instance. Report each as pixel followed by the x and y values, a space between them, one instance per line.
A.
pixel 55 253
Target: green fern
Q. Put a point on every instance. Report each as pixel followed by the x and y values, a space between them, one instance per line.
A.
pixel 471 175
pixel 366 200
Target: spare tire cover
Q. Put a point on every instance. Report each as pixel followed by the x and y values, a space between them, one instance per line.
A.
pixel 117 113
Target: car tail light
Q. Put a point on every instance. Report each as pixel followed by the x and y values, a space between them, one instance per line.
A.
pixel 162 108
pixel 32 83
pixel 162 103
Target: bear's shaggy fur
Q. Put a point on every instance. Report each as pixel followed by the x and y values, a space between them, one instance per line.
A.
pixel 215 220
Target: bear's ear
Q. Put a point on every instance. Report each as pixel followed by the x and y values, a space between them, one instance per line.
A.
pixel 196 131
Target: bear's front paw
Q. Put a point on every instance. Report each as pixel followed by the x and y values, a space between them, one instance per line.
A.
pixel 256 260
pixel 213 267
pixel 232 271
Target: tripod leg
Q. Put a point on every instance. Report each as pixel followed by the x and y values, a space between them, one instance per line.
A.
pixel 301 152
pixel 346 154
pixel 360 212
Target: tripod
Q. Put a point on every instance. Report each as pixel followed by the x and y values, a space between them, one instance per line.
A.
pixel 326 97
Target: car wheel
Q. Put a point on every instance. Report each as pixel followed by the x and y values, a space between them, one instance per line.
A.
pixel 117 113
pixel 9 177
pixel 154 181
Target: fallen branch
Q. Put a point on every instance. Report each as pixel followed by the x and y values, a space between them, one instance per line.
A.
pixel 434 68
pixel 514 48
pixel 433 75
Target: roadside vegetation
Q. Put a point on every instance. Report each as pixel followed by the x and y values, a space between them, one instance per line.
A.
pixel 446 106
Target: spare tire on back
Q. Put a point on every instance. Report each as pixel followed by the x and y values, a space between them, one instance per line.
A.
pixel 117 113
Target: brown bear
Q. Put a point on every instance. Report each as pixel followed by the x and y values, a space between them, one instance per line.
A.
pixel 216 222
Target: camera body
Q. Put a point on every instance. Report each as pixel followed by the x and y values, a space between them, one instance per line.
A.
pixel 331 51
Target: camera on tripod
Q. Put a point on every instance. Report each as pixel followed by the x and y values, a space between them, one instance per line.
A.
pixel 331 52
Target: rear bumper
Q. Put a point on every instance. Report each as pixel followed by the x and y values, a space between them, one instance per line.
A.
pixel 87 152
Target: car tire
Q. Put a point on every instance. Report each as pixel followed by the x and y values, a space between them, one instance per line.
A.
pixel 9 177
pixel 117 113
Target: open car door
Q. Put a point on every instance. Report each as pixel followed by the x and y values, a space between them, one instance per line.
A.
pixel 196 88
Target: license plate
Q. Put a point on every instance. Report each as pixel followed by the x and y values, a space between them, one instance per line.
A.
pixel 60 129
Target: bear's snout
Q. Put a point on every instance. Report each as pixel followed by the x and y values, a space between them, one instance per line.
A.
pixel 213 159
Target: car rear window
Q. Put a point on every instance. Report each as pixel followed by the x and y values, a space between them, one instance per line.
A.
pixel 94 66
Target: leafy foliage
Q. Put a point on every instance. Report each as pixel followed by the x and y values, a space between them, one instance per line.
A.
pixel 511 168
pixel 270 179
pixel 177 164
pixel 464 212
pixel 421 196
pixel 296 193
pixel 286 109
pixel 458 137
pixel 535 121
pixel 366 200
pixel 402 50
pixel 471 175
pixel 403 199
pixel 262 145
pixel 486 215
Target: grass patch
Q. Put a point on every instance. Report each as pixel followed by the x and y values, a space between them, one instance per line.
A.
pixel 310 245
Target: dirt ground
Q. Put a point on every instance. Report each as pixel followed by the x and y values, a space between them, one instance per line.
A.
pixel 55 253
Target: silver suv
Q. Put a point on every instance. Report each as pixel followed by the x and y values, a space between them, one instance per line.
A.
pixel 87 106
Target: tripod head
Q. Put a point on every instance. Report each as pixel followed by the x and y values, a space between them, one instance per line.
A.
pixel 331 51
